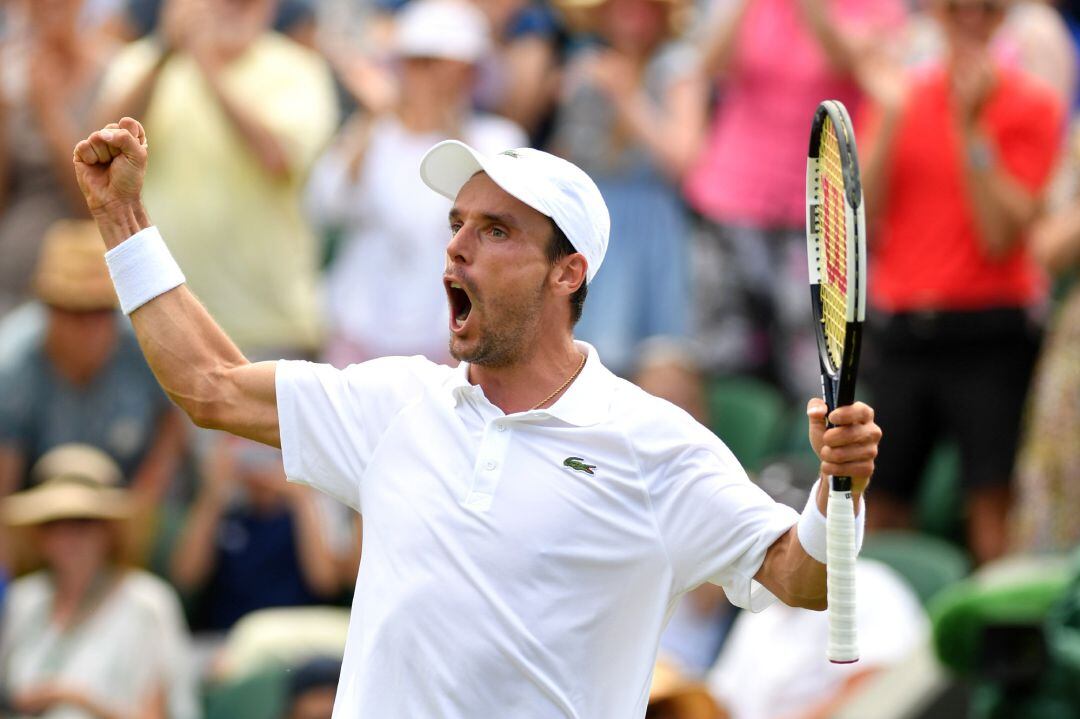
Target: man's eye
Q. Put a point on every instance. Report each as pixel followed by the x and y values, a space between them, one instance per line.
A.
pixel 498 232
pixel 454 227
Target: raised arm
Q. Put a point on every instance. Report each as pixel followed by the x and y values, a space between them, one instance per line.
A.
pixel 847 449
pixel 197 365
pixel 718 47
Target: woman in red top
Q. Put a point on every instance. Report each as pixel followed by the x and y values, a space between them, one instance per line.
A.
pixel 958 158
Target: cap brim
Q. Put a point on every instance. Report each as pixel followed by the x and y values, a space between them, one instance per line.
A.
pixel 448 166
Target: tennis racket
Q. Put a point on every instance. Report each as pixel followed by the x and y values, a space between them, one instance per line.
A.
pixel 836 254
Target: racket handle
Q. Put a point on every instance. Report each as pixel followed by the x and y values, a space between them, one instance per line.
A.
pixel 840 571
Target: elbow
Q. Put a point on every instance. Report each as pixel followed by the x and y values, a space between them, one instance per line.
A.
pixel 207 402
pixel 815 603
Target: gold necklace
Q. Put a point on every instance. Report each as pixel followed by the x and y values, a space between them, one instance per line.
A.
pixel 563 386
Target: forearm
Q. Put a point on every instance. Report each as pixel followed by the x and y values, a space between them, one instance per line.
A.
pixel 135 102
pixel 60 134
pixel 259 139
pixel 792 575
pixel 719 45
pixel 1055 241
pixel 838 49
pixel 877 160
pixel 1002 208
pixel 316 561
pixel 162 460
pixel 193 559
pixel 671 134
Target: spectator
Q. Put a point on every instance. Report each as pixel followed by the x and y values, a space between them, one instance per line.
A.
pixel 76 374
pixel 88 637
pixel 774 61
pixel 1048 465
pixel 520 78
pixel 311 689
pixel 219 89
pixel 252 540
pixel 752 681
pixel 385 287
pixel 631 116
pixel 959 155
pixel 49 74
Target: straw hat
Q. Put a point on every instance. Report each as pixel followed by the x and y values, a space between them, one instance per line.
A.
pixel 76 481
pixel 584 16
pixel 679 696
pixel 71 272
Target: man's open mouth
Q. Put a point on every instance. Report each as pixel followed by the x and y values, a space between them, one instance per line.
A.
pixel 460 304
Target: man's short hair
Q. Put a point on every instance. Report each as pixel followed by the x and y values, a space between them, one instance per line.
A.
pixel 558 248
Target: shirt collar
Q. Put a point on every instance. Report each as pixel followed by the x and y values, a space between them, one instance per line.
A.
pixel 585 402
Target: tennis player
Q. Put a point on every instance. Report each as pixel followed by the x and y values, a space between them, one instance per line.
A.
pixel 530 519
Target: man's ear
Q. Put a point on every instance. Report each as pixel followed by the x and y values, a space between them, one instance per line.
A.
pixel 568 274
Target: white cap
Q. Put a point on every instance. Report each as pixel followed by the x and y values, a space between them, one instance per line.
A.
pixel 548 184
pixel 446 29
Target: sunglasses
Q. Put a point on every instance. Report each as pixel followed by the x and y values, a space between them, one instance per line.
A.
pixel 986 7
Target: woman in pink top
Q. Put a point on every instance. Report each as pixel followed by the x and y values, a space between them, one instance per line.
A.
pixel 774 60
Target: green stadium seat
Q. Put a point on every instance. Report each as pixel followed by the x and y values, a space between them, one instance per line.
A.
pixel 939 505
pixel 260 695
pixel 927 563
pixel 748 415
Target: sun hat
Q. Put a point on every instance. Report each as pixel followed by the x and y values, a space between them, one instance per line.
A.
pixel 550 185
pixel 75 481
pixel 445 29
pixel 71 271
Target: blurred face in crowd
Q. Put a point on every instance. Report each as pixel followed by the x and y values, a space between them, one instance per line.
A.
pixel 80 343
pixel 635 26
pixel 315 703
pixel 499 12
pixel 970 22
pixel 496 275
pixel 75 547
pixel 444 81
pixel 264 485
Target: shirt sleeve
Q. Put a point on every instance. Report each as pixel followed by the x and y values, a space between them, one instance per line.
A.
pixel 332 420
pixel 715 523
pixel 1029 149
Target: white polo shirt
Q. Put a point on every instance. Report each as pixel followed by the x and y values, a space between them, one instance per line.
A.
pixel 517 565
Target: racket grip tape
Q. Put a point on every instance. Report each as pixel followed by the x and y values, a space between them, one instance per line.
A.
pixel 843 645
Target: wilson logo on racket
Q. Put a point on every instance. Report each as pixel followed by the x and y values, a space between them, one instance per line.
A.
pixel 578 465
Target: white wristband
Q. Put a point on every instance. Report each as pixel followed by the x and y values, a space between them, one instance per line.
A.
pixel 142 268
pixel 811 528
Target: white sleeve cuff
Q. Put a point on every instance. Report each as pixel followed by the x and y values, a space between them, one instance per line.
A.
pixel 811 528
pixel 142 268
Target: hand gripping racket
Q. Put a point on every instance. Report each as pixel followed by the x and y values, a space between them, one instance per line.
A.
pixel 836 254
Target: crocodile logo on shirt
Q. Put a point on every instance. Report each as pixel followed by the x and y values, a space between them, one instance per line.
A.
pixel 578 465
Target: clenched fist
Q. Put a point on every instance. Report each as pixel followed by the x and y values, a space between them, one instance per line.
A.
pixel 110 165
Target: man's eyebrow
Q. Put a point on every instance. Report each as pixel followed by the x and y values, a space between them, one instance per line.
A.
pixel 493 218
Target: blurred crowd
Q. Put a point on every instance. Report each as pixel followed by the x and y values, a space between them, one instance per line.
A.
pixel 150 569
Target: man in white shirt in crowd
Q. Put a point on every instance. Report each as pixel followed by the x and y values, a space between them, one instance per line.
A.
pixel 530 520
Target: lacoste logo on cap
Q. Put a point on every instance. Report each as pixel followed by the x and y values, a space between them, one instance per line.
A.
pixel 510 153
pixel 578 465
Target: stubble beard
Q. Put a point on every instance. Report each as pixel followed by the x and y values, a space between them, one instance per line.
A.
pixel 508 336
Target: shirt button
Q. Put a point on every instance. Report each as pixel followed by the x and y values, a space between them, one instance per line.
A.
pixel 490 466
pixel 500 426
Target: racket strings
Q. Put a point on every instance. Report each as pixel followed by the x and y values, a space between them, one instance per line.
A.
pixel 832 259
